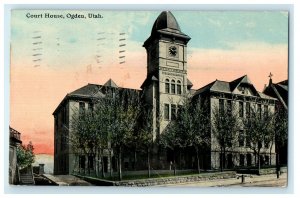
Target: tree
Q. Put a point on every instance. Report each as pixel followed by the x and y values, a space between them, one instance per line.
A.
pixel 189 129
pixel 259 128
pixel 25 155
pixel 121 109
pixel 144 136
pixel 225 125
pixel 171 139
pixel 281 133
pixel 88 133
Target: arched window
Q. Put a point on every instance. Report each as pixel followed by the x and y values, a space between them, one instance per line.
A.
pixel 167 86
pixel 179 87
pixel 173 86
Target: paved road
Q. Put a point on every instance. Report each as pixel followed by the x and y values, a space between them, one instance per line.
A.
pixel 258 181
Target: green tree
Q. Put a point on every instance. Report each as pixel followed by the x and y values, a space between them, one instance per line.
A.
pixel 225 125
pixel 25 155
pixel 144 136
pixel 259 128
pixel 88 135
pixel 189 129
pixel 281 134
pixel 120 110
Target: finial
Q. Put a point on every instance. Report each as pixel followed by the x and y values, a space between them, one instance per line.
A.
pixel 270 75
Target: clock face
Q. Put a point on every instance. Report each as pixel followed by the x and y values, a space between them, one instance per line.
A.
pixel 172 50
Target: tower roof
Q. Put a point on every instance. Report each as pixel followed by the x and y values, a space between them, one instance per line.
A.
pixel 166 25
pixel 166 20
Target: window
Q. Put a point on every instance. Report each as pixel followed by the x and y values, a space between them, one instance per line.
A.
pixel 267 160
pixel 179 109
pixel 179 87
pixel 90 162
pixel 91 106
pixel 167 86
pixel 229 107
pixel 167 111
pixel 173 86
pixel 241 138
pixel 242 160
pixel 82 161
pixel 248 142
pixel 228 141
pixel 62 142
pixel 173 112
pixel 247 109
pixel 249 159
pixel 266 143
pixel 241 109
pixel 221 106
pixel 265 110
pixel 64 115
pixel 56 124
pixel 259 110
pixel 81 107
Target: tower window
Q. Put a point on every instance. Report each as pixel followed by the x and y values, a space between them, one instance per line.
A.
pixel 179 87
pixel 167 111
pixel 167 86
pixel 173 86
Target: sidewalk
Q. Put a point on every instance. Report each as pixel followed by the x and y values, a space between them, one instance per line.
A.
pixel 67 180
pixel 263 181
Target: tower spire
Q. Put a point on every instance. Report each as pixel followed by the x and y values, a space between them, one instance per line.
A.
pixel 270 80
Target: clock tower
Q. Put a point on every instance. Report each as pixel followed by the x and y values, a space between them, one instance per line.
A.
pixel 166 84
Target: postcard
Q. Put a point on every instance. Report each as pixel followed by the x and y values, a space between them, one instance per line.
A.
pixel 148 98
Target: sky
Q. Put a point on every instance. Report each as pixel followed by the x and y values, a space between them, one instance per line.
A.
pixel 51 57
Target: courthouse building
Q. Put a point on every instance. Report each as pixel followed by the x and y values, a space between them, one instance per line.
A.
pixel 164 88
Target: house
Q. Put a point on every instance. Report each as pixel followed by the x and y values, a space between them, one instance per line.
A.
pixel 14 141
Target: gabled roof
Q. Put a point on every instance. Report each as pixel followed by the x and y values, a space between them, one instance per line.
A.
pixel 91 91
pixel 189 83
pixel 110 83
pixel 279 91
pixel 242 80
pixel 148 80
pixel 88 90
pixel 230 87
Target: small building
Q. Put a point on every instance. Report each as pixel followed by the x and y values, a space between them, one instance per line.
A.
pixel 14 141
